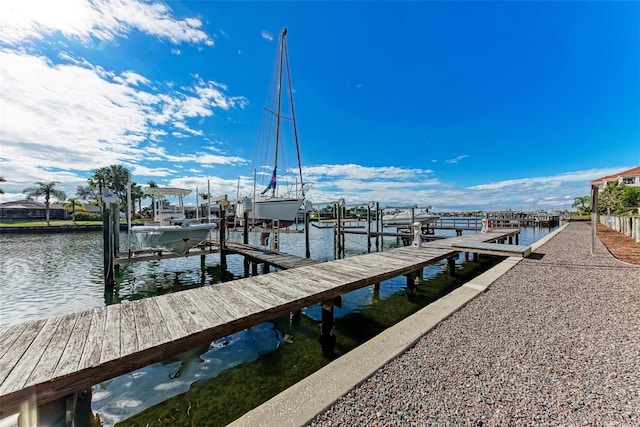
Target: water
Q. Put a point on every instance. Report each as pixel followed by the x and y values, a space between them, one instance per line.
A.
pixel 53 274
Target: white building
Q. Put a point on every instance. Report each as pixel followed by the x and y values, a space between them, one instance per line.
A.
pixel 629 178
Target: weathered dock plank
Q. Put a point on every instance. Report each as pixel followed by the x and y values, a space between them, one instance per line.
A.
pixel 278 259
pixel 28 361
pixel 157 326
pixel 499 249
pixel 111 338
pixel 53 352
pixel 72 354
pixel 9 336
pixel 20 345
pixel 93 347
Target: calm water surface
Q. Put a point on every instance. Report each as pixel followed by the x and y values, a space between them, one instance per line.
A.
pixel 53 274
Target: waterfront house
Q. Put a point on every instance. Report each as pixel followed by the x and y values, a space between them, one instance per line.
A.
pixel 629 178
pixel 24 210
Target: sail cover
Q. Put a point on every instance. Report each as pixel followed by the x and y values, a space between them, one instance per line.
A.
pixel 272 184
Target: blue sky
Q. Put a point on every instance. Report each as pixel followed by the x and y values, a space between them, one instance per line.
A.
pixel 456 105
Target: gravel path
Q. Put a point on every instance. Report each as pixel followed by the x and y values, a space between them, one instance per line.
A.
pixel 554 341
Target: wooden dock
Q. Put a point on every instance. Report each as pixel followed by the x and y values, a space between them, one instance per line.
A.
pixel 47 360
pixel 277 259
pixel 497 249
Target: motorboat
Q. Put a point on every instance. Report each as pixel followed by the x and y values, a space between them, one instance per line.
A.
pixel 408 217
pixel 170 230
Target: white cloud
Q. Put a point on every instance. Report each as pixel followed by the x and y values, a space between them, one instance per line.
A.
pixel 131 78
pixel 457 159
pixel 395 186
pixel 352 171
pixel 22 20
pixel 266 35
pixel 86 117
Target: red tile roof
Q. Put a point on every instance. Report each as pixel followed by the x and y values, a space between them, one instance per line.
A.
pixel 632 171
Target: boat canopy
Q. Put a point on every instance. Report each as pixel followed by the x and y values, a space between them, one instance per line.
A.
pixel 166 191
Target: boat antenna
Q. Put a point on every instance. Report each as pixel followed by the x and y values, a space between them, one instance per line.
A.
pixel 283 34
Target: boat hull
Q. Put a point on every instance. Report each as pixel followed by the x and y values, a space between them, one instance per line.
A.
pixel 404 219
pixel 172 238
pixel 284 210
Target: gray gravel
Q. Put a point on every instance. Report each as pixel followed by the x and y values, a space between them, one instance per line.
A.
pixel 554 341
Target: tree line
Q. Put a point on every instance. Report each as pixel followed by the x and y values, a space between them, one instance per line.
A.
pixel 114 178
pixel 615 198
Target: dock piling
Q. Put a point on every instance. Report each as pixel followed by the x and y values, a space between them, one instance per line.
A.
pixel 327 330
pixel 451 264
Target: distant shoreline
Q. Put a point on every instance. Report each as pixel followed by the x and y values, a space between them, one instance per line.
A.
pixel 54 229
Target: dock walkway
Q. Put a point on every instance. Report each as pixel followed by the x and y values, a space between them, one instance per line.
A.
pixel 49 359
pixel 554 342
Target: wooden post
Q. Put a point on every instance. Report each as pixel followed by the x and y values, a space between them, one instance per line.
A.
pixel 338 209
pixel 107 245
pixel 518 238
pixel 343 234
pixel 116 227
pixel 275 242
pixel 245 228
pixel 411 283
pixel 379 238
pixel 254 268
pixel 451 263
pixel 307 246
pixel 369 228
pixel 222 225
pixel 83 414
pixel 327 330
pixel 594 217
pixel 246 267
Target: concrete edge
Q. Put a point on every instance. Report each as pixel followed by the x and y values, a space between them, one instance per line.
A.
pixel 300 403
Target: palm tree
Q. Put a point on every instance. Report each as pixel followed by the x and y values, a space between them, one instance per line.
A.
pixel 581 203
pixel 2 180
pixel 72 203
pixel 136 194
pixel 85 192
pixel 114 177
pixel 47 190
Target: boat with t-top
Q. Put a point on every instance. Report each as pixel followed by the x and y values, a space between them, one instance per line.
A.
pixel 170 230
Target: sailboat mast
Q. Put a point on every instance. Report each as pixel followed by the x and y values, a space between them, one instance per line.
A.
pixel 275 163
pixel 293 119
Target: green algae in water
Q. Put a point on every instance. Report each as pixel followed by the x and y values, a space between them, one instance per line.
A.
pixel 221 400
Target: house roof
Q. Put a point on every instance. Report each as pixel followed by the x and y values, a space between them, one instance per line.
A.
pixel 26 204
pixel 22 204
pixel 630 172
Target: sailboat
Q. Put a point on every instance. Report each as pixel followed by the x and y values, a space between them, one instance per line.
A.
pixel 272 205
pixel 170 230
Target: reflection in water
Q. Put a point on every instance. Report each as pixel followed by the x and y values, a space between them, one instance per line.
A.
pixel 124 396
